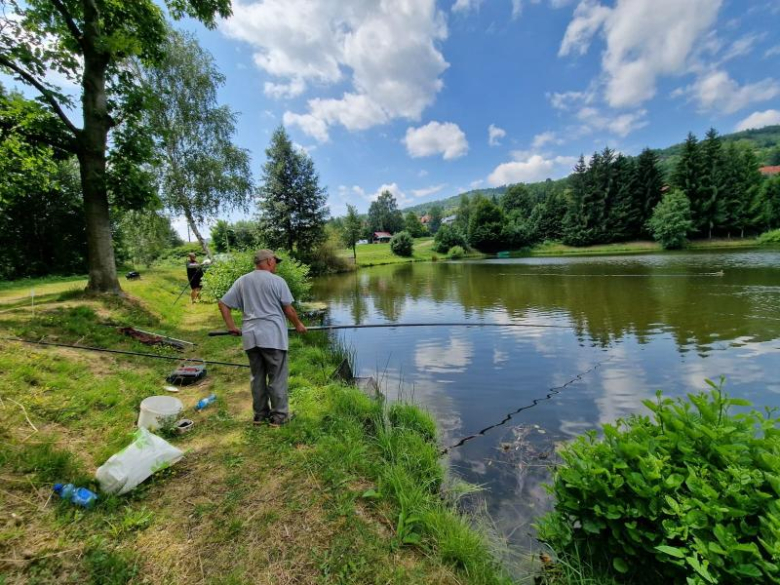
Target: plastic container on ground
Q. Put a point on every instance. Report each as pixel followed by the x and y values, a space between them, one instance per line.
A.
pixel 204 402
pixel 157 410
pixel 77 495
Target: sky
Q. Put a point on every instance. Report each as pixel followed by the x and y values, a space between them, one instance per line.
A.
pixel 428 99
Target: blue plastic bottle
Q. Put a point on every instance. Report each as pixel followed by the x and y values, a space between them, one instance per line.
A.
pixel 77 495
pixel 204 402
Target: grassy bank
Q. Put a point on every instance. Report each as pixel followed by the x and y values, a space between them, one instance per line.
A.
pixel 378 254
pixel 639 247
pixel 348 492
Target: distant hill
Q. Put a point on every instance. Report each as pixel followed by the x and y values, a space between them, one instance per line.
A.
pixel 764 140
pixel 451 203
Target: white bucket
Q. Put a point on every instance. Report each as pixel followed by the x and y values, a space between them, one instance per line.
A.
pixel 157 410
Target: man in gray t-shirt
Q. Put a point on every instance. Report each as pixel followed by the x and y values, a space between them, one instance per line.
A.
pixel 265 300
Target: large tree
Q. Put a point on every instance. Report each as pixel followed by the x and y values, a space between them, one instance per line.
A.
pixel 384 215
pixel 649 185
pixel 201 171
pixel 89 42
pixel 687 177
pixel 292 203
pixel 351 229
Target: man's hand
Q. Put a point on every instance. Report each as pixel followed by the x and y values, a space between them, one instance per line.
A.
pixel 301 328
pixel 235 331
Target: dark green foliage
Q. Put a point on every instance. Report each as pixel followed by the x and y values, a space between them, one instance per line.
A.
pixel 413 225
pixel 517 231
pixel 292 204
pixel 626 209
pixel 447 237
pixel 485 227
pixel 671 222
pixel 774 157
pixel 648 185
pixel 352 228
pixel 402 244
pixel 689 494
pixel 436 215
pixel 518 198
pixel 241 235
pixel 688 178
pixel 144 235
pixel 384 215
pixel 767 206
pixel 221 276
pixel 771 238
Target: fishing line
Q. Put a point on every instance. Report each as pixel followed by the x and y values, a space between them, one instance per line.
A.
pixel 550 393
pixel 119 351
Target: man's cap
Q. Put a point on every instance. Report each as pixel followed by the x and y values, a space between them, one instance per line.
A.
pixel 263 255
pixel 191 255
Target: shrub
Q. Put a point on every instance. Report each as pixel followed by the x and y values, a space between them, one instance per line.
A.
pixel 221 276
pixel 402 244
pixel 446 238
pixel 671 221
pixel 691 494
pixel 456 252
pixel 770 238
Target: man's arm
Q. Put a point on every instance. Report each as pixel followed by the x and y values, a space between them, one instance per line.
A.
pixel 227 317
pixel 289 311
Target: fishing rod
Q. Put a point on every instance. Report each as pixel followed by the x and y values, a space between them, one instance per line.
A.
pixel 392 325
pixel 119 351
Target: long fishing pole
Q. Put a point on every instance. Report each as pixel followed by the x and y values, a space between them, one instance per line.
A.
pixel 119 351
pixel 392 325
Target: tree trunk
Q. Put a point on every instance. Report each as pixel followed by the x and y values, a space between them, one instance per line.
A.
pixel 201 241
pixel 92 164
pixel 354 252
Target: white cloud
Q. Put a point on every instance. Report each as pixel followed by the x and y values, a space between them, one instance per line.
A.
pixel 548 137
pixel 495 134
pixel 568 100
pixel 759 120
pixel 621 125
pixel 645 39
pixel 434 138
pixel 534 168
pixel 466 5
pixel 743 46
pixel 772 51
pixel 475 184
pixel 387 51
pixel 428 190
pixel 716 90
pixel 589 17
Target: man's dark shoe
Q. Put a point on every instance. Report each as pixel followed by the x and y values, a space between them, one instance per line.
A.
pixel 261 419
pixel 278 421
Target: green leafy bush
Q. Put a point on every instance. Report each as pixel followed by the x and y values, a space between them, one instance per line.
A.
pixel 671 222
pixel 772 237
pixel 690 495
pixel 221 276
pixel 402 244
pixel 446 238
pixel 455 253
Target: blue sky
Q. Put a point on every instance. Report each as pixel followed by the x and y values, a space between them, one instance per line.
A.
pixel 429 99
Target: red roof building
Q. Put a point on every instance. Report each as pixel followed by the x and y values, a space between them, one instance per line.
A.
pixel 769 171
pixel 382 236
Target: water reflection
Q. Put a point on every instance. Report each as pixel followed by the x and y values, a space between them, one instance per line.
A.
pixel 649 322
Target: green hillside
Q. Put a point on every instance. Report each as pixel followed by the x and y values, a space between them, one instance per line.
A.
pixel 766 142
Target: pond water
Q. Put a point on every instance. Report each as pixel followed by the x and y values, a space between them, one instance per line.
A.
pixel 612 331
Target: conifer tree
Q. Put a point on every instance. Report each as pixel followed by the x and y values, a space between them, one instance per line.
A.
pixel 574 222
pixel 384 215
pixel 687 177
pixel 292 204
pixel 709 210
pixel 625 219
pixel 649 185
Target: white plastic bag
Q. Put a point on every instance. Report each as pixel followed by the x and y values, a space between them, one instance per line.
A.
pixel 147 454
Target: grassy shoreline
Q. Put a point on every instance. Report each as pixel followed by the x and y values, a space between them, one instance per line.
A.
pixel 349 492
pixel 638 247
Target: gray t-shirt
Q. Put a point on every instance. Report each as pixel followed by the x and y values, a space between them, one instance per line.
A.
pixel 261 295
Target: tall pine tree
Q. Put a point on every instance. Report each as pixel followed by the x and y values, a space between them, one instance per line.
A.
pixel 649 186
pixel 687 177
pixel 710 212
pixel 292 204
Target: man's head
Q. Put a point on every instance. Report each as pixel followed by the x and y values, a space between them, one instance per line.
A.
pixel 266 260
pixel 192 256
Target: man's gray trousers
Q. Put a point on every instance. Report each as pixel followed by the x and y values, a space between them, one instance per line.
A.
pixel 269 382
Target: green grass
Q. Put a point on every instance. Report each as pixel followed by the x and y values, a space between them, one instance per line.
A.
pixel 639 247
pixel 378 254
pixel 348 492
